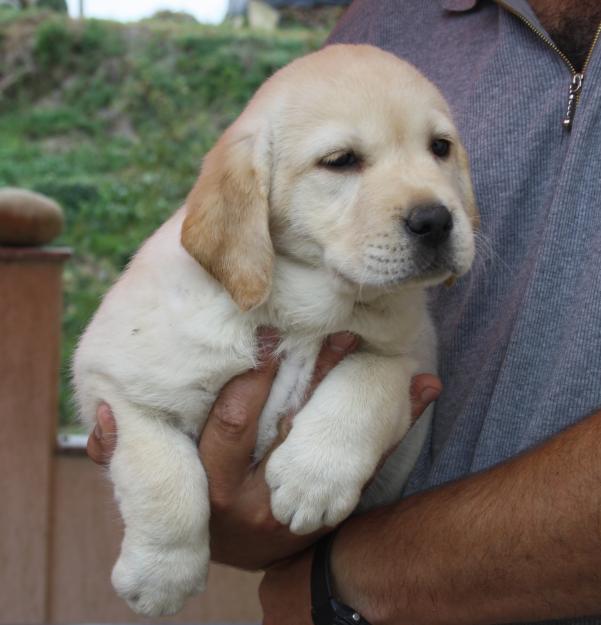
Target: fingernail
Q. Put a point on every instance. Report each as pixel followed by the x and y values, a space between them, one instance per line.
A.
pixel 104 421
pixel 342 341
pixel 428 395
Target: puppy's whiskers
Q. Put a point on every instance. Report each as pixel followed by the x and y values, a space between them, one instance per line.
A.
pixel 486 252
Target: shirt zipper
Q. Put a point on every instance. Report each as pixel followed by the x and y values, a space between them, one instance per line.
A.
pixel 577 77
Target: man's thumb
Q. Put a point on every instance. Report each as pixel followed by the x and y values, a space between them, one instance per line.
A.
pixel 229 437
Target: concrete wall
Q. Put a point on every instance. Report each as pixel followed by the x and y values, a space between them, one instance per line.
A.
pixel 59 530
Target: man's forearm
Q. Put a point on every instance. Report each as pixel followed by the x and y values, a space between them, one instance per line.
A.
pixel 519 542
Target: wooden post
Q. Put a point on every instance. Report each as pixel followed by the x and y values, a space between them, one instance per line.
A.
pixel 30 314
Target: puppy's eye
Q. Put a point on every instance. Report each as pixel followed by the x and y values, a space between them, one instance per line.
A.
pixel 440 147
pixel 341 160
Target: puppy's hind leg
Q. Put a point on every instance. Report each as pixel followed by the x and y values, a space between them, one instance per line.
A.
pixel 162 491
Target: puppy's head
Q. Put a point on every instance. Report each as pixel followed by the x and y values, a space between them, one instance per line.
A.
pixel 346 159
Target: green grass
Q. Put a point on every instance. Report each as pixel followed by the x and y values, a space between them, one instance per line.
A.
pixel 112 121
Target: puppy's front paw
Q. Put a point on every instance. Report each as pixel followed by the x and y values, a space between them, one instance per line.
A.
pixel 310 490
pixel 157 582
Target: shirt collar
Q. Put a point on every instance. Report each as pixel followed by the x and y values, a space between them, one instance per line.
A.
pixel 459 5
pixel 521 7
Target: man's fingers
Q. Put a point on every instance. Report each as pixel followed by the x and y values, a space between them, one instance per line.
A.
pixel 335 349
pixel 229 436
pixel 425 388
pixel 102 440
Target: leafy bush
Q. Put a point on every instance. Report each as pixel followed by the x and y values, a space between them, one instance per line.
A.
pixel 174 16
pixel 52 44
pixel 59 6
pixel 64 46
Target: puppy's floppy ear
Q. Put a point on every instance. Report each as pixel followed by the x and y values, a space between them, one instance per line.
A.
pixel 226 228
pixel 467 189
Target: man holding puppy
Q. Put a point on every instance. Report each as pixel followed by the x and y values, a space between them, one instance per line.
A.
pixel 500 519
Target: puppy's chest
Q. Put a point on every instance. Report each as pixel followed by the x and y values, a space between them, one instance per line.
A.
pixel 289 390
pixel 310 303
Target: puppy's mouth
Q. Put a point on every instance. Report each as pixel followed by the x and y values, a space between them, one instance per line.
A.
pixel 400 264
pixel 425 276
pixel 419 268
pixel 438 267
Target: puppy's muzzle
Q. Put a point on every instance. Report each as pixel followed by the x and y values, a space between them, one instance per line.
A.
pixel 429 225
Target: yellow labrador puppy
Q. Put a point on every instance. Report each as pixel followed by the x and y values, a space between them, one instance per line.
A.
pixel 339 193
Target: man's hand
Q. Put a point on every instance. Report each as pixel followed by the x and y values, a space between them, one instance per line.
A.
pixel 243 531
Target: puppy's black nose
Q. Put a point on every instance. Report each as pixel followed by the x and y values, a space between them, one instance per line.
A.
pixel 431 224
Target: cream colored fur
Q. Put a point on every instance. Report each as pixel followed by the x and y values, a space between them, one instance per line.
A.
pixel 270 236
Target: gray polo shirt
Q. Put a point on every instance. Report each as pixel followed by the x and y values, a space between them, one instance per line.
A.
pixel 520 337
